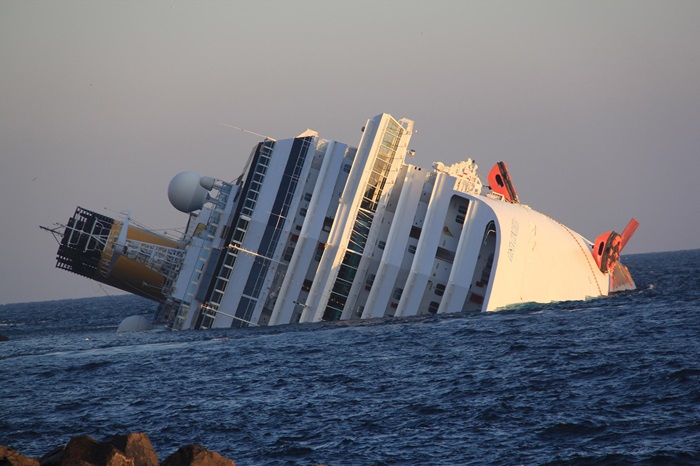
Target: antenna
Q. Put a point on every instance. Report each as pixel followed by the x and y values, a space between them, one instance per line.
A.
pixel 247 131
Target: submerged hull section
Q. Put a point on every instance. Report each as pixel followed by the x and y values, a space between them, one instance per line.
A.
pixel 315 230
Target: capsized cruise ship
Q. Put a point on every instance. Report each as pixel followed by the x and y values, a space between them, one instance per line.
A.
pixel 317 230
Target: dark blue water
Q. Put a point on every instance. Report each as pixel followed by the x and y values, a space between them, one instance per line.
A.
pixel 608 381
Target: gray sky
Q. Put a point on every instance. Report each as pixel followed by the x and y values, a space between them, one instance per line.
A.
pixel 594 105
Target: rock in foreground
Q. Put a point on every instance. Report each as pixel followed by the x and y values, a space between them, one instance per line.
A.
pixel 10 457
pixel 133 449
pixel 196 455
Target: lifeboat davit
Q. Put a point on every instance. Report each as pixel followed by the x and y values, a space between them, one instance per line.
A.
pixel 499 182
pixel 609 245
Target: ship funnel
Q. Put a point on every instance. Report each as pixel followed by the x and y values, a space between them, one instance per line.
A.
pixel 119 254
pixel 188 190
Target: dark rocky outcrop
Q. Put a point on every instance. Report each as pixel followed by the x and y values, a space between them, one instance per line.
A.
pixel 133 449
pixel 85 451
pixel 3 338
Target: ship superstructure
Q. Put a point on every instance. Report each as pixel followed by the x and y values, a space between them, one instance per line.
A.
pixel 315 230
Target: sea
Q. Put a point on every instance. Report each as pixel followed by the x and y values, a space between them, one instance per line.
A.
pixel 612 380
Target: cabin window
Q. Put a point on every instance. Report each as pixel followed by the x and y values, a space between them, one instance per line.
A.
pixel 381 244
pixel 415 232
pixel 439 289
pixel 445 255
pixel 460 219
pixel 225 272
pixel 306 286
pixel 346 168
pixel 307 197
pixel 302 212
pixel 370 281
pixel 411 249
pixel 397 293
pixel 288 253
pixel 327 224
pixel 433 307
pixel 319 251
pixel 238 236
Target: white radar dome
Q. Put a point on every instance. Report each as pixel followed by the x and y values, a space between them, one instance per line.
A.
pixel 134 324
pixel 186 192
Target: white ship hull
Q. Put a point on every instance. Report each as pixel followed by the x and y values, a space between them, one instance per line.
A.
pixel 315 230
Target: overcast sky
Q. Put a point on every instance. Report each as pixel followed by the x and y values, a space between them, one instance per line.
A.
pixel 594 105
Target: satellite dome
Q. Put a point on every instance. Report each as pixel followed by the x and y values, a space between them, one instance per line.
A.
pixel 134 324
pixel 186 193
